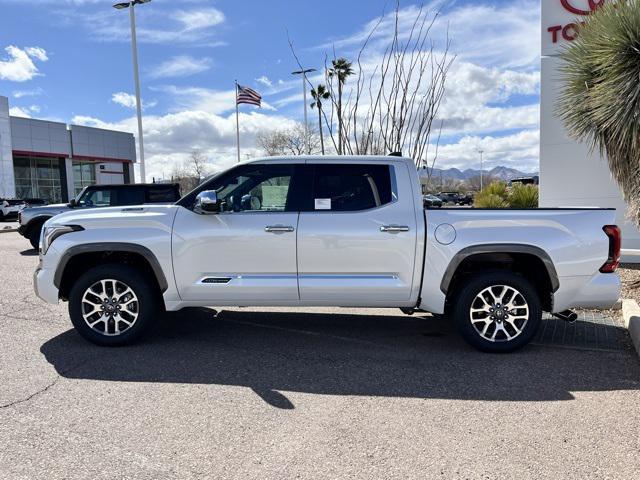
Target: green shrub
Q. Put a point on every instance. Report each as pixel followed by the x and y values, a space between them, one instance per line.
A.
pixel 497 188
pixel 523 196
pixel 493 195
pixel 489 200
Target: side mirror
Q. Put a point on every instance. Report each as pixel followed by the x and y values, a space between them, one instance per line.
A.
pixel 207 203
pixel 72 203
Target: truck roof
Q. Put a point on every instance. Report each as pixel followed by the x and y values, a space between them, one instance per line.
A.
pixel 109 186
pixel 328 158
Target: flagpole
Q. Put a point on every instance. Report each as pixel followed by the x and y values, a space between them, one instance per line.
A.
pixel 237 123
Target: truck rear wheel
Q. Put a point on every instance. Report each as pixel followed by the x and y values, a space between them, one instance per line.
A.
pixel 112 304
pixel 497 311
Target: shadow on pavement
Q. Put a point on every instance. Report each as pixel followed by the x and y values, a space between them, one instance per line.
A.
pixel 339 354
pixel 32 252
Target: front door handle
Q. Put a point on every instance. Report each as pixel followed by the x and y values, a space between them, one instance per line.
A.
pixel 394 228
pixel 278 228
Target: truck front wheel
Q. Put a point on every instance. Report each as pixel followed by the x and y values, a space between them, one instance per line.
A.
pixel 112 304
pixel 497 311
pixel 33 234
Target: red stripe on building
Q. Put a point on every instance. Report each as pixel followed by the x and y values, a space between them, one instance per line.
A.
pixel 66 155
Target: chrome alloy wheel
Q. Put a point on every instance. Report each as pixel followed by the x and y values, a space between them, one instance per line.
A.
pixel 110 307
pixel 499 313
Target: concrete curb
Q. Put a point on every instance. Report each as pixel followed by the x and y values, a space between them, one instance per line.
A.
pixel 631 318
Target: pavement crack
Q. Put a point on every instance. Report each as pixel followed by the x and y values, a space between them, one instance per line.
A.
pixel 32 396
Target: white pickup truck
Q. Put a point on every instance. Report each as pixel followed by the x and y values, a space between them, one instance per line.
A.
pixel 334 231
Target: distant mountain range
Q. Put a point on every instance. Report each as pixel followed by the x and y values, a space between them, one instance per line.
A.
pixel 503 173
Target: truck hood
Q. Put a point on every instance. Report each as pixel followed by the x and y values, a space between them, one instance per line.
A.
pixel 47 209
pixel 128 217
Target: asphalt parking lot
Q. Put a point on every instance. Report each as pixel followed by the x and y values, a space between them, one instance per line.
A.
pixel 285 393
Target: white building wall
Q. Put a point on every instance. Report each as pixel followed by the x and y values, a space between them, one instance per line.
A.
pixel 7 183
pixel 110 173
pixel 571 175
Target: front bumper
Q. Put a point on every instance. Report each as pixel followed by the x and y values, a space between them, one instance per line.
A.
pixel 43 283
pixel 11 214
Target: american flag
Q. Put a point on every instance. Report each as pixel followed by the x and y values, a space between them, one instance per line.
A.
pixel 248 95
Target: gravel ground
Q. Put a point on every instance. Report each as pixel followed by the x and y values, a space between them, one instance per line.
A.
pixel 629 273
pixel 300 393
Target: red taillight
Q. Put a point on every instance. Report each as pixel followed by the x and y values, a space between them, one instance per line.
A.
pixel 615 241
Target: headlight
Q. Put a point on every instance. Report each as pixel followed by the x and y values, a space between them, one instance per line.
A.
pixel 49 234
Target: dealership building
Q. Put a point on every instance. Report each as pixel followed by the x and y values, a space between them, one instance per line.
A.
pixel 570 174
pixel 54 161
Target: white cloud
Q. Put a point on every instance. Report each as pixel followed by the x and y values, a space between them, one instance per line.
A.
pixel 181 66
pixel 170 138
pixel 264 80
pixel 128 100
pixel 198 98
pixel 505 35
pixel 200 19
pixel 37 53
pixel 34 92
pixel 196 25
pixel 25 112
pixel 519 150
pixel 19 112
pixel 19 66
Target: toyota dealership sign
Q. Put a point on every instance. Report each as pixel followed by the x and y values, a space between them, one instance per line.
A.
pixel 561 19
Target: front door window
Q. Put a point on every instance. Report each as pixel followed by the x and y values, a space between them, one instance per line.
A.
pixel 263 188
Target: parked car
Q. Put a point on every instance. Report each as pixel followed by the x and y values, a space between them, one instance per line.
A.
pixel 9 208
pixel 431 201
pixel 332 231
pixel 448 197
pixel 465 199
pixel 95 196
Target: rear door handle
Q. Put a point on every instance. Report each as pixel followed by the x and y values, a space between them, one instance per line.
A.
pixel 394 228
pixel 278 228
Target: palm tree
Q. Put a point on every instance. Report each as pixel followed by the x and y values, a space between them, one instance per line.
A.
pixel 600 102
pixel 319 93
pixel 341 69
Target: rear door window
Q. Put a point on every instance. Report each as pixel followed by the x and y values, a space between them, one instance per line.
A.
pixel 351 188
pixel 127 196
pixel 162 194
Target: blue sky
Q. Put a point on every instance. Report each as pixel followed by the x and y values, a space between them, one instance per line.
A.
pixel 70 60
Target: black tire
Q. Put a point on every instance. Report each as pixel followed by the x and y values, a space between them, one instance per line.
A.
pixel 468 294
pixel 34 235
pixel 147 304
pixel 1 217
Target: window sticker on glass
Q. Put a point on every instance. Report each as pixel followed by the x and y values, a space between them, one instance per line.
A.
pixel 323 204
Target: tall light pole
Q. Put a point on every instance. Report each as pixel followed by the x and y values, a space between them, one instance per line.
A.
pixel 304 96
pixel 136 77
pixel 480 151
